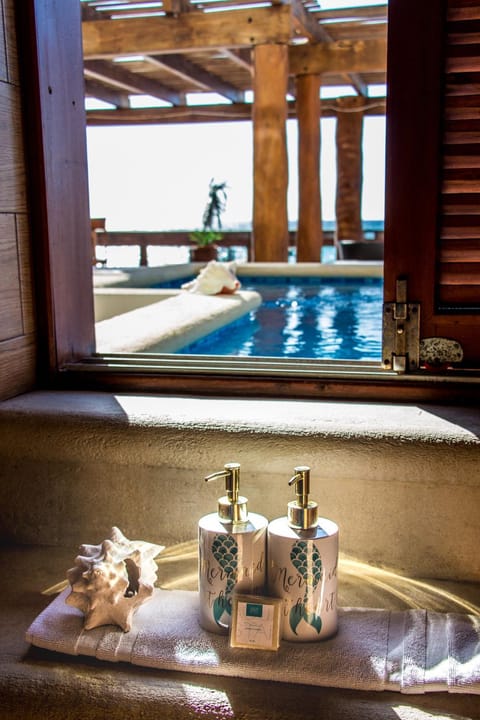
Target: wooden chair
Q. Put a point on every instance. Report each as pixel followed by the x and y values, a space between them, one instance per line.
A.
pixel 97 225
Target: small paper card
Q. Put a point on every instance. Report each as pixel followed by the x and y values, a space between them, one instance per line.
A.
pixel 255 622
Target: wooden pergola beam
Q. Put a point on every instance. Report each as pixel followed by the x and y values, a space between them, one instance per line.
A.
pixel 370 12
pixel 317 33
pixel 89 13
pixel 111 95
pixel 187 32
pixel 270 161
pixel 357 83
pixel 199 31
pixel 175 7
pixel 103 70
pixel 309 233
pixel 181 65
pixel 306 24
pixel 352 56
pixel 240 56
pixel 349 132
pixel 206 113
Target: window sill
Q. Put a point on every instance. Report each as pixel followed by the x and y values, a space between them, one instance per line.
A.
pixel 267 377
pixel 35 683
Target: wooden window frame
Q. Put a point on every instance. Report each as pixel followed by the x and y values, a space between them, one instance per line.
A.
pixel 50 42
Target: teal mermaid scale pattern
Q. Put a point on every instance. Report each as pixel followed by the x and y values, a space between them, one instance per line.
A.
pixel 225 552
pixel 308 563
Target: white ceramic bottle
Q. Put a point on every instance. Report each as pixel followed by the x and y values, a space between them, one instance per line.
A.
pixel 302 566
pixel 232 553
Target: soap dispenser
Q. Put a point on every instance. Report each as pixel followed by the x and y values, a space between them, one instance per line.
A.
pixel 302 566
pixel 232 553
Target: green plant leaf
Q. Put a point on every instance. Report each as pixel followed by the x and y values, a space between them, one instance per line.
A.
pixel 205 237
pixel 217 198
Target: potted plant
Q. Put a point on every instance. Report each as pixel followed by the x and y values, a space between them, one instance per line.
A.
pixel 206 238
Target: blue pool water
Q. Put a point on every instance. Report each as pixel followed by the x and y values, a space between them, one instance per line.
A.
pixel 308 317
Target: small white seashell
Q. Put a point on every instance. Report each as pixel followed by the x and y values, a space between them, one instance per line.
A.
pixel 110 580
pixel 214 278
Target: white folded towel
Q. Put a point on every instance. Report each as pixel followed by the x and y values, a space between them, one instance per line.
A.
pixel 413 651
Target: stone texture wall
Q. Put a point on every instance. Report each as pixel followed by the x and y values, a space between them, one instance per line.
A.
pixel 402 482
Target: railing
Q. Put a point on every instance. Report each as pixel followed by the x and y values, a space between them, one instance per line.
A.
pixel 170 238
pixel 165 239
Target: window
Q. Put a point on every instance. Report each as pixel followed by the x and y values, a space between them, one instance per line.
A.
pixel 61 225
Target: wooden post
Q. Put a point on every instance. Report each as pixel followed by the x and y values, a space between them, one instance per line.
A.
pixel 309 233
pixel 349 169
pixel 143 256
pixel 270 164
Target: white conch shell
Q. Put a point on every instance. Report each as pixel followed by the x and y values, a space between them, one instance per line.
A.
pixel 214 279
pixel 110 580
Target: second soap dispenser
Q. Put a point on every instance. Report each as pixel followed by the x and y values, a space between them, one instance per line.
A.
pixel 302 566
pixel 232 553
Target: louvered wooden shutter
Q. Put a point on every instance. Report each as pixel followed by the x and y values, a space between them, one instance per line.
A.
pixel 432 216
pixel 459 242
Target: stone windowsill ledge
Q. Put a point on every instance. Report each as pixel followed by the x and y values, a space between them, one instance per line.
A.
pixel 403 482
pixel 426 424
pixel 37 683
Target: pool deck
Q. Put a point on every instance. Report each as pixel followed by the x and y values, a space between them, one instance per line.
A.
pixel 131 316
pixel 146 277
pixel 171 324
pixel 341 268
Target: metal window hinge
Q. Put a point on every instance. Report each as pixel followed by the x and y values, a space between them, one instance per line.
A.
pixel 401 332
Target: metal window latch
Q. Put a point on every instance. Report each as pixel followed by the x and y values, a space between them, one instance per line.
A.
pixel 401 332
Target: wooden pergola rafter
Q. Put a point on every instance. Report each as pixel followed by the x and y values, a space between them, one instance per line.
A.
pixel 170 49
pixel 180 48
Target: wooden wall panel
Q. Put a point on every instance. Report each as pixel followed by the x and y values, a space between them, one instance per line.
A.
pixel 17 366
pixel 11 322
pixel 10 41
pixel 12 160
pixel 25 273
pixel 3 47
pixel 17 324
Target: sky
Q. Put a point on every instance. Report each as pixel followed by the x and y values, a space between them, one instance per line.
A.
pixel 156 177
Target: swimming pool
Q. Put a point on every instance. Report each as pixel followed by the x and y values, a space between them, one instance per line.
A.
pixel 304 317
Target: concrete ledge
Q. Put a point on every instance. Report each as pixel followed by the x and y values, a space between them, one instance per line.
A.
pixel 169 325
pixel 147 277
pixel 347 269
pixel 144 277
pixel 403 482
pixel 116 301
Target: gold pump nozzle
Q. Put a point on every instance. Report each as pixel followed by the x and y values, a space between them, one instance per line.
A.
pixel 302 512
pixel 232 507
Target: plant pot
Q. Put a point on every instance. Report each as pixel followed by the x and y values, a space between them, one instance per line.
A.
pixel 204 253
pixel 360 250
